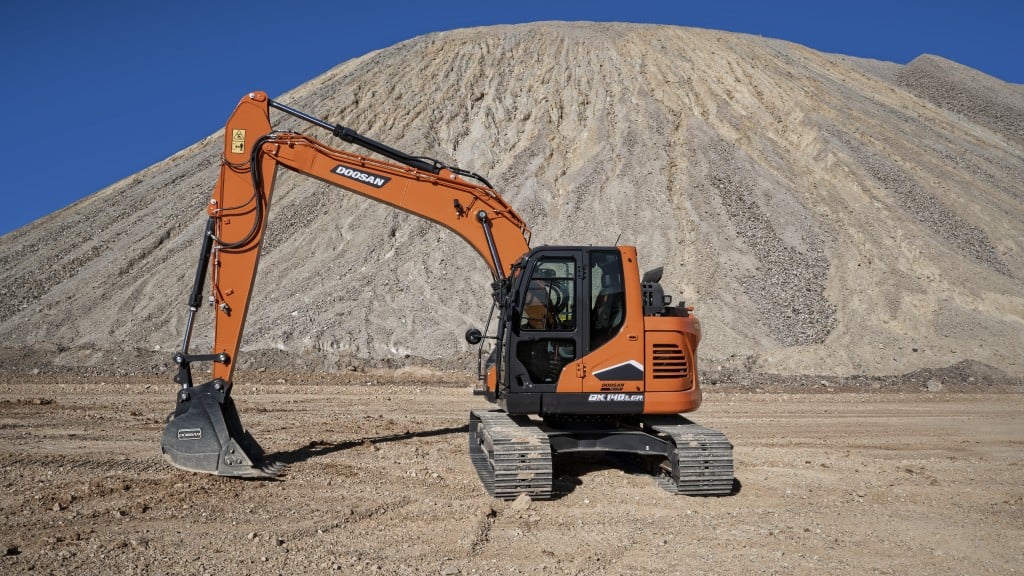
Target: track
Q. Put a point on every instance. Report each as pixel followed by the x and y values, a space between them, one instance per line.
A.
pixel 702 463
pixel 511 458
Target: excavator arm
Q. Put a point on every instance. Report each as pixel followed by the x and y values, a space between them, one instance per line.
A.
pixel 241 201
pixel 238 210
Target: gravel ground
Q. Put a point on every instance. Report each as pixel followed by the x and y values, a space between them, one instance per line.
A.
pixel 379 482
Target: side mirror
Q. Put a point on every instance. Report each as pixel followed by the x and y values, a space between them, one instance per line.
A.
pixel 473 336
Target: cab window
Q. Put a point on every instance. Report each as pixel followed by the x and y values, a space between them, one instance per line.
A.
pixel 608 296
pixel 550 299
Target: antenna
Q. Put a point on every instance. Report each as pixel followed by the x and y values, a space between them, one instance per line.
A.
pixel 617 238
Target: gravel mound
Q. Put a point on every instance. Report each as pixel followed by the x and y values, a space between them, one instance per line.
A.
pixel 825 215
pixel 982 99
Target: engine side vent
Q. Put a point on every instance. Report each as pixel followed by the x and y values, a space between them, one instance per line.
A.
pixel 669 361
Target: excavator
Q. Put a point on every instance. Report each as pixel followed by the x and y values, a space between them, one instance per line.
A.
pixel 585 355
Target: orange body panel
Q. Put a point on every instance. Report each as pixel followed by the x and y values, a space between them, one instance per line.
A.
pixel 627 345
pixel 666 347
pixel 491 380
pixel 670 362
pixel 672 402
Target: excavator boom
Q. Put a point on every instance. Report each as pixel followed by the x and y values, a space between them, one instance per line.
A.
pixel 242 197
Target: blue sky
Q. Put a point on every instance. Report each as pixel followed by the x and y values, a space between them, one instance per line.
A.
pixel 96 91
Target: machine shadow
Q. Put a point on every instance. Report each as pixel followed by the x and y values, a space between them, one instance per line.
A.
pixel 572 469
pixel 319 448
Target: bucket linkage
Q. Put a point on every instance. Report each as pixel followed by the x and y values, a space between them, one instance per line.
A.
pixel 204 433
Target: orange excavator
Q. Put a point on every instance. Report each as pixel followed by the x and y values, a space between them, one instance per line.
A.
pixel 586 355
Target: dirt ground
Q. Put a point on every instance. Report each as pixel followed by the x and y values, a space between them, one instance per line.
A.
pixel 379 482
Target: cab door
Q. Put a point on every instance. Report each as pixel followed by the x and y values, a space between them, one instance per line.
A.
pixel 548 333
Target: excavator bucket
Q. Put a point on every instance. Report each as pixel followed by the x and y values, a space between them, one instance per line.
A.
pixel 204 434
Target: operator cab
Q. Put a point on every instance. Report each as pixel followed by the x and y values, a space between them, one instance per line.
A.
pixel 569 302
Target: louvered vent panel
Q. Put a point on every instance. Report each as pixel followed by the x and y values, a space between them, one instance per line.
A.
pixel 669 361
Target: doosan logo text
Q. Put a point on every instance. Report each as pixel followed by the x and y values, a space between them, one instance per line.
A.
pixel 190 434
pixel 365 177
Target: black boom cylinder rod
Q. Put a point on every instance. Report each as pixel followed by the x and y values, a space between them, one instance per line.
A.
pixel 353 137
pixel 195 298
pixel 481 217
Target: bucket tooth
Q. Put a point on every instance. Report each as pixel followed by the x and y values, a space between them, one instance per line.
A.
pixel 205 434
